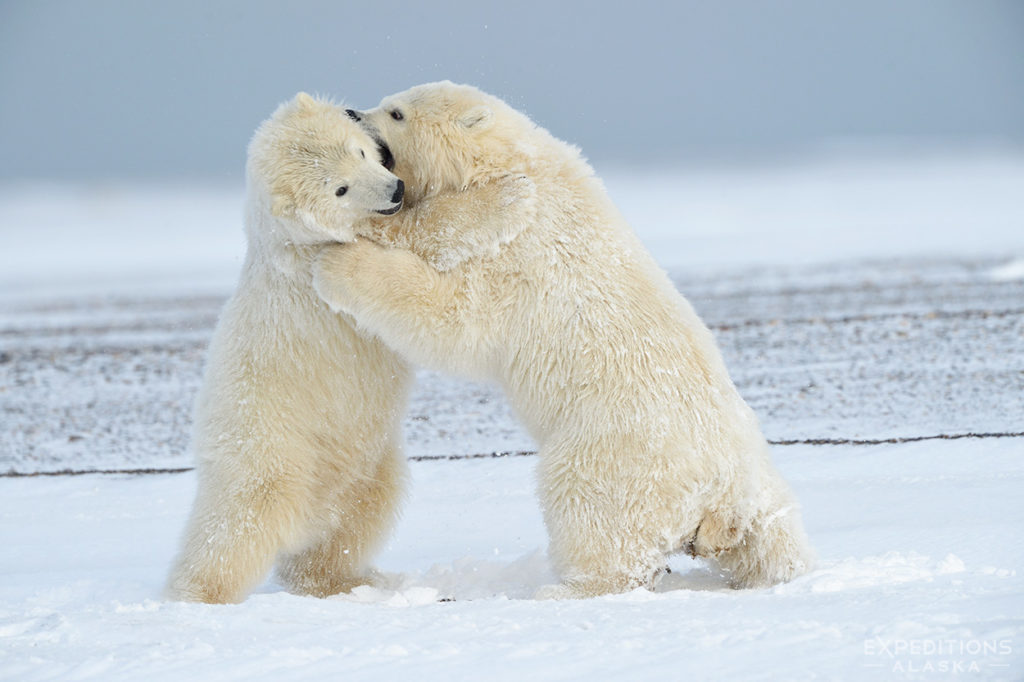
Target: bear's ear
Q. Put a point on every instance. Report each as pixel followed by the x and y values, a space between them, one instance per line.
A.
pixel 305 101
pixel 478 117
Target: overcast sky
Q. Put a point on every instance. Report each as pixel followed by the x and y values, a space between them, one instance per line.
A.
pixel 110 89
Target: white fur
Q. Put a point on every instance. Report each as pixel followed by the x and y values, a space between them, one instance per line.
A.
pixel 646 446
pixel 297 425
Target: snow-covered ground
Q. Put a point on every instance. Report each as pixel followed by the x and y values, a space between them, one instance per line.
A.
pixel 183 239
pixel 855 299
pixel 920 546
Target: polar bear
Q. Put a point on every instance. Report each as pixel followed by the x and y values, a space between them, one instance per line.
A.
pixel 297 430
pixel 646 447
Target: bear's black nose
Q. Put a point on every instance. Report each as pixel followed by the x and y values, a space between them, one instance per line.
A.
pixel 386 159
pixel 354 115
pixel 396 198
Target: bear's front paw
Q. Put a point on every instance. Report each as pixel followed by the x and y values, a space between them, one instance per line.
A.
pixel 516 189
pixel 333 272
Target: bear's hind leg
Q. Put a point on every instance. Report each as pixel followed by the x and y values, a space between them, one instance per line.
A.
pixel 366 511
pixel 770 548
pixel 233 537
pixel 605 524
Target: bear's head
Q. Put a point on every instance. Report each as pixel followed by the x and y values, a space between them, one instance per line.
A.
pixel 320 170
pixel 446 136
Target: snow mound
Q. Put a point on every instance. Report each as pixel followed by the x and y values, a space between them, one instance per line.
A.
pixel 463 580
pixel 892 568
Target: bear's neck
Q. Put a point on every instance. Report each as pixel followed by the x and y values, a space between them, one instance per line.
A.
pixel 272 253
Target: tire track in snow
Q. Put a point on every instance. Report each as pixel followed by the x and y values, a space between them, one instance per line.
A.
pixel 521 453
pixel 866 353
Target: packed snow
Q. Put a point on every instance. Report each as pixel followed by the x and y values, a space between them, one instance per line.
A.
pixel 919 543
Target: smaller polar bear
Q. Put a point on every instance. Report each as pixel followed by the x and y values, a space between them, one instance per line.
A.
pixel 646 446
pixel 297 430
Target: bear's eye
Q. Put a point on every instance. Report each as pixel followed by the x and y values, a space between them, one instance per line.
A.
pixel 340 191
pixel 396 114
pixel 362 153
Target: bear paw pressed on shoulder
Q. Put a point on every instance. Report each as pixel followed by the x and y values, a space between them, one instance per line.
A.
pixel 477 222
pixel 515 189
pixel 334 269
pixel 351 276
pixel 516 199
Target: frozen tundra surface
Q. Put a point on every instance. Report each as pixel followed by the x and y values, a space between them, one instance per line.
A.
pixel 920 573
pixel 920 550
pixel 859 351
pixel 863 301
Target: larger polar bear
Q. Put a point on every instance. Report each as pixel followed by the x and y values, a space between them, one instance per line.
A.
pixel 297 430
pixel 646 446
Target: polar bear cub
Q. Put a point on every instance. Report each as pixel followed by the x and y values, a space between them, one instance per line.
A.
pixel 297 430
pixel 646 446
